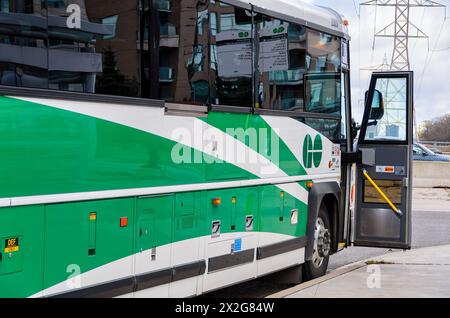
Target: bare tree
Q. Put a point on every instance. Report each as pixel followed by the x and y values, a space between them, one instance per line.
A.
pixel 436 130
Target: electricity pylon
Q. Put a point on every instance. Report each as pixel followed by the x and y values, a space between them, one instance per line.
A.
pixel 401 30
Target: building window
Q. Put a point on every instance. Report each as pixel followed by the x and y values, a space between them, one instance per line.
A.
pixel 56 4
pixel 213 23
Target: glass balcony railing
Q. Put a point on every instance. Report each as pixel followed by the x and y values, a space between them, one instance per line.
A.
pixel 162 5
pixel 166 74
pixel 168 29
pixel 289 76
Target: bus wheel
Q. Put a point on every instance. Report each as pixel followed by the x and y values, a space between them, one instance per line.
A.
pixel 317 267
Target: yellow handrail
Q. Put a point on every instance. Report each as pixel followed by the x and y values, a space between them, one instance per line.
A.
pixel 393 207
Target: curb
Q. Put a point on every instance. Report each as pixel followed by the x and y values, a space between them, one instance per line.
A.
pixel 336 273
pixel 346 269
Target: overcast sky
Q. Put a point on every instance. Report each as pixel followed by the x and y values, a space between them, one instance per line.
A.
pixel 430 60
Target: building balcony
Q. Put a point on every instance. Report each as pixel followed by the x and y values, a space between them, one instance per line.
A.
pixel 168 37
pixel 166 74
pixel 52 59
pixel 168 29
pixel 162 5
pixel 289 77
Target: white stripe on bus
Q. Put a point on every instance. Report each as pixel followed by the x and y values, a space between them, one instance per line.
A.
pixel 287 184
pixel 153 120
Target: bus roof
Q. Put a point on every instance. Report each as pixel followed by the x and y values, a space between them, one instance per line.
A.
pixel 320 18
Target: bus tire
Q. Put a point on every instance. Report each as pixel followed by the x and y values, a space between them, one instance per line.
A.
pixel 318 265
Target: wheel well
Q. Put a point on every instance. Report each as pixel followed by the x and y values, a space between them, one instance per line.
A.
pixel 331 205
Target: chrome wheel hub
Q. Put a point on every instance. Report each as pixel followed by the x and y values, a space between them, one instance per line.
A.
pixel 322 242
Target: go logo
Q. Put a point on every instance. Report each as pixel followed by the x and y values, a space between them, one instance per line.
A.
pixel 312 151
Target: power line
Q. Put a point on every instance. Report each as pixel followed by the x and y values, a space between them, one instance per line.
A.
pixel 356 9
pixel 402 29
pixel 428 62
pixel 441 50
pixel 420 26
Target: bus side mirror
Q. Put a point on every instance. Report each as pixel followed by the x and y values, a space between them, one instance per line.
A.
pixel 355 127
pixel 377 105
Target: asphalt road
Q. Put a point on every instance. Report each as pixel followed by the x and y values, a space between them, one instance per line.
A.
pixel 430 228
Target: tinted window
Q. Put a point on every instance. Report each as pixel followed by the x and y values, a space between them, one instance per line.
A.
pixel 172 68
pixel 184 51
pixel 324 52
pixel 328 127
pixel 23 43
pixel 282 56
pixel 323 93
pixel 102 46
pixel 231 57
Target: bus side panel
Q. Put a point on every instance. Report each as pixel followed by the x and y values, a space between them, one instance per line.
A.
pixel 153 250
pixel 282 219
pixel 230 245
pixel 22 245
pixel 186 245
pixel 94 239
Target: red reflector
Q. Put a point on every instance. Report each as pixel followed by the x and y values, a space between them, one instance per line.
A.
pixel 124 222
pixel 216 201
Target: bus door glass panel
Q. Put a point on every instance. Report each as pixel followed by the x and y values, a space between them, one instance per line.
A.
pixel 385 142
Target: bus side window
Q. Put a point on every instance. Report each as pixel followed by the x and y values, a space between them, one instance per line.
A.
pixel 330 128
pixel 24 54
pixel 231 78
pixel 281 78
pixel 102 47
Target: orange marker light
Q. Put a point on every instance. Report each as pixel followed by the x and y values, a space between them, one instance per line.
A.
pixel 124 222
pixel 92 216
pixel 233 200
pixel 309 184
pixel 282 194
pixel 216 201
pixel 345 22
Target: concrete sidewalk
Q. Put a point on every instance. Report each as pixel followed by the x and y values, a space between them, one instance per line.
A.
pixel 437 200
pixel 422 272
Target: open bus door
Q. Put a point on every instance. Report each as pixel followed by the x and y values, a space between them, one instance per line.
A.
pixel 382 212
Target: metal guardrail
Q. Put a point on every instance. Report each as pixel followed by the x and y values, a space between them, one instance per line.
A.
pixel 443 146
pixel 435 143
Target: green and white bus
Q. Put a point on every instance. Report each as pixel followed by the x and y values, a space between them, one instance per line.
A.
pixel 169 148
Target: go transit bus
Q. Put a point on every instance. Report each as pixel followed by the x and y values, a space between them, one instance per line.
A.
pixel 169 148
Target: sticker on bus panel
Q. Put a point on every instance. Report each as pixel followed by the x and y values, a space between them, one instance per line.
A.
pixel 249 223
pixel 237 245
pixel 294 216
pixel 385 169
pixel 215 229
pixel 12 245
